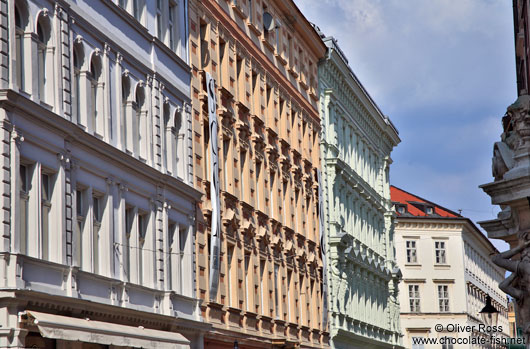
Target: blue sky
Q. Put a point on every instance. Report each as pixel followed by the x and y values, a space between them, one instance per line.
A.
pixel 444 71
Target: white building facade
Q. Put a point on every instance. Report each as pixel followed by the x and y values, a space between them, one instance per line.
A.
pixel 362 276
pixel 98 208
pixel 447 274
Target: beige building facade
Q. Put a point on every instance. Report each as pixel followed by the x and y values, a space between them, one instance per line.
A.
pixel 263 57
pixel 447 274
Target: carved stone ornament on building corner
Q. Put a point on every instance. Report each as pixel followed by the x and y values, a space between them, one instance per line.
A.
pixel 511 190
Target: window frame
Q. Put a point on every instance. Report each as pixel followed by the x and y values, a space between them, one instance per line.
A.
pixel 440 252
pixel 414 298
pixel 443 298
pixel 412 257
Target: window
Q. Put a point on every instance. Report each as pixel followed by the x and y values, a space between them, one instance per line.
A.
pixel 443 298
pixel 96 95
pixel 439 249
pixel 204 45
pixel 289 296
pixel 258 185
pixel 226 152
pixel 80 209
pixel 262 284
pixel 417 342
pixel 141 119
pixel 19 39
pixel 45 214
pixel 429 210
pixel 171 25
pixel 230 276
pixel 129 220
pixel 123 4
pixel 76 110
pixel 173 250
pixel 414 298
pixel 276 292
pixel 23 207
pixel 137 9
pixel 248 283
pixel 143 219
pixel 126 123
pixel 448 346
pixel 96 226
pixel 42 74
pixel 243 169
pixel 411 251
pixel 159 19
pixel 250 12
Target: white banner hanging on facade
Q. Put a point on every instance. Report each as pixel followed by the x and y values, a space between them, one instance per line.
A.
pixel 215 242
pixel 323 250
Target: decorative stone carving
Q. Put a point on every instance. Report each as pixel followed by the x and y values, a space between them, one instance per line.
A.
pixel 511 190
pixel 516 285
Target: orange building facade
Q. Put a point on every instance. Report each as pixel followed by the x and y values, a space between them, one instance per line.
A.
pixel 263 56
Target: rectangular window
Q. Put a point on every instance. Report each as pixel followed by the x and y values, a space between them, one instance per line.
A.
pixel 19 38
pixel 439 249
pixel 414 298
pixel 226 152
pixel 142 232
pixel 204 45
pixel 80 209
pixel 417 342
pixel 171 25
pixel 443 298
pixel 45 214
pixel 96 226
pixel 129 220
pixel 258 185
pixel 230 276
pixel 173 255
pixel 159 19
pixel 289 296
pixel 137 9
pixel 262 284
pixel 248 283
pixel 23 207
pixel 242 162
pixel 276 292
pixel 411 252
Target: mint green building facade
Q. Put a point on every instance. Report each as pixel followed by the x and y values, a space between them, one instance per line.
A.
pixel 362 276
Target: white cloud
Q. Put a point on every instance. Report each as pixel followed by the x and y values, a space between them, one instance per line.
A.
pixel 444 72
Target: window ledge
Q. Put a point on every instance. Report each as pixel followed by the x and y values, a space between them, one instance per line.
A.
pixel 239 11
pixel 293 72
pixel 267 44
pixel 442 266
pixel 280 59
pixel 46 105
pixel 412 265
pixel 254 28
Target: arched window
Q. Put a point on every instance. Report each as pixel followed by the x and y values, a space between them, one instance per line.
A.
pixel 20 25
pixel 44 61
pixel 166 153
pixel 141 121
pixel 126 124
pixel 180 149
pixel 96 95
pixel 76 82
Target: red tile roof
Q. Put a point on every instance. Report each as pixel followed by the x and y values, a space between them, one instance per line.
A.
pixel 415 205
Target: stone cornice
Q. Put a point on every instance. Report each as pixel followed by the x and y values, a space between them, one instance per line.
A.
pixel 71 131
pixel 335 81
